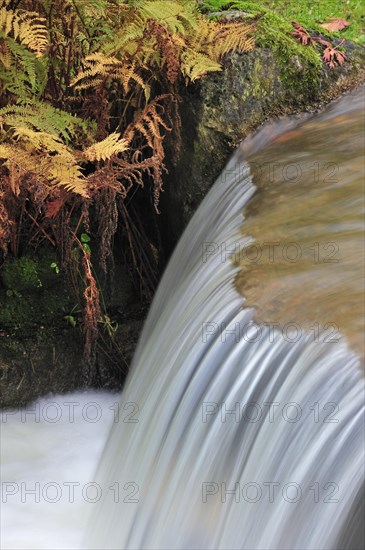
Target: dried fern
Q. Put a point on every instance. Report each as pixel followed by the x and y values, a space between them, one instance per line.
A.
pixel 106 149
pixel 99 67
pixel 28 27
pixel 88 97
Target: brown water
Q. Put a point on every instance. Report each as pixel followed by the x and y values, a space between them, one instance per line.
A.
pixel 306 266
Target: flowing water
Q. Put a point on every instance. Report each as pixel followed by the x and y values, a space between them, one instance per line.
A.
pixel 241 423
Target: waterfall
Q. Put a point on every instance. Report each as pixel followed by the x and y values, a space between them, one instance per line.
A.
pixel 238 440
pixel 229 434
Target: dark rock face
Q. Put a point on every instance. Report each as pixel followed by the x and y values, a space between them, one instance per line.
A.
pixel 224 108
pixel 41 337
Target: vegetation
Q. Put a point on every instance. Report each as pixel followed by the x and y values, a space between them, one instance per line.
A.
pixel 89 94
pixel 308 13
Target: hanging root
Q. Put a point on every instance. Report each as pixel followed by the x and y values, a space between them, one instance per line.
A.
pixel 91 317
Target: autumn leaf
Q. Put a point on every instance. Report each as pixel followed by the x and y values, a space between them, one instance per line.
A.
pixel 323 42
pixel 302 35
pixel 53 207
pixel 332 57
pixel 335 24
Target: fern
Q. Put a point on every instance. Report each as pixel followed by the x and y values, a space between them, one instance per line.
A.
pixel 195 65
pixel 26 26
pixel 22 73
pixel 106 149
pixel 46 157
pixel 99 67
pixel 176 16
pixel 87 104
pixel 43 117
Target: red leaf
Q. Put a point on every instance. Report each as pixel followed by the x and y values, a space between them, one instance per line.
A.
pixel 333 57
pixel 53 207
pixel 302 35
pixel 323 42
pixel 335 24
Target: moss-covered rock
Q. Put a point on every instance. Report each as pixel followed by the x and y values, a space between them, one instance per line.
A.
pixel 41 338
pixel 224 108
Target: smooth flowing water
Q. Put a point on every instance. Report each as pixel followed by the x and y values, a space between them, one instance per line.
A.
pixel 235 430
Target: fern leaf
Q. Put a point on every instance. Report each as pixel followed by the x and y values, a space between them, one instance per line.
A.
pixel 195 65
pixel 42 117
pixel 177 16
pixel 99 67
pixel 63 170
pixel 26 26
pixel 107 148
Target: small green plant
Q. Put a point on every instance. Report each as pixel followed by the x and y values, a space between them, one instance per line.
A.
pixel 70 318
pixel 110 326
pixel 55 267
pixel 85 239
pixel 13 293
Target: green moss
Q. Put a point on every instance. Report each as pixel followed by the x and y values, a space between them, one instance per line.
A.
pixel 33 293
pixel 307 13
pixel 310 14
pixel 274 33
pixel 21 275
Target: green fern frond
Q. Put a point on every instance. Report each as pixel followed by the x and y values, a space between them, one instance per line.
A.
pixel 195 65
pixel 41 116
pixel 128 33
pixel 178 17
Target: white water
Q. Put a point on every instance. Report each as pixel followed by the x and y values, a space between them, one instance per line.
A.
pixel 162 450
pixel 53 443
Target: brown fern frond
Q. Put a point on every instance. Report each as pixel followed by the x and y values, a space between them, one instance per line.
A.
pixel 107 212
pixel 99 67
pixel 170 46
pixel 150 125
pixel 216 39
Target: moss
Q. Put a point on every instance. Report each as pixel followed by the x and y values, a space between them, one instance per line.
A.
pixel 21 275
pixel 306 12
pixel 33 293
pixel 293 59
